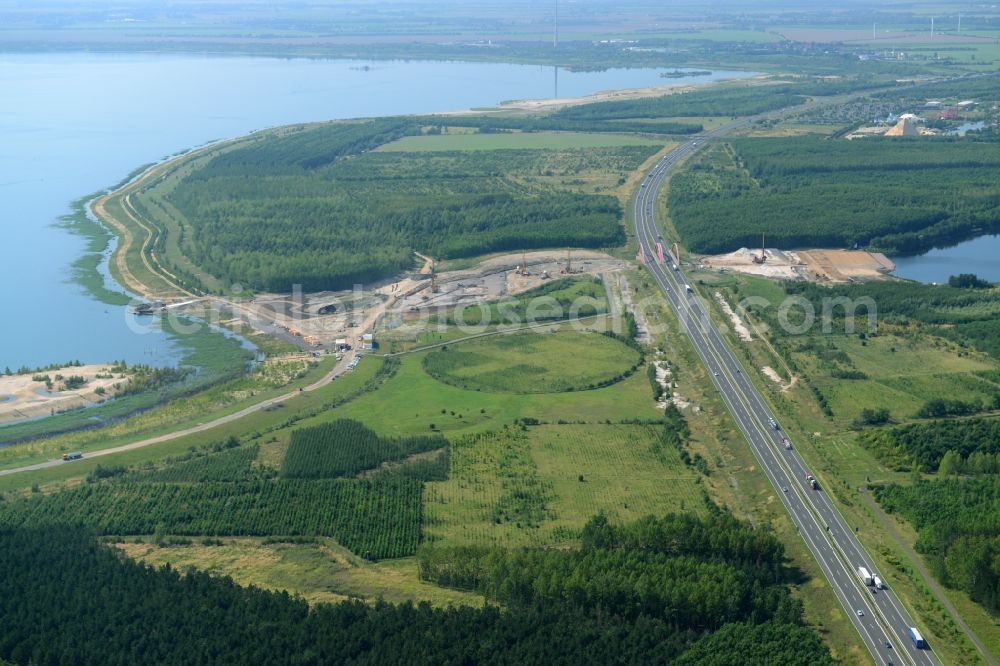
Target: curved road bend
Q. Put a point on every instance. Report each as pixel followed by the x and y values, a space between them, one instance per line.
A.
pixel 882 618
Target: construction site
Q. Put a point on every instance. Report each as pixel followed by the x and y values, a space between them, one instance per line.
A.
pixel 816 265
pixel 347 319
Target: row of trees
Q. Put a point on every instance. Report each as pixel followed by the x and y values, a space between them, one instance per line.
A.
pixel 64 598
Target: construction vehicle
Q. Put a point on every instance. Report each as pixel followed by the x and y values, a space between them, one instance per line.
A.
pixel 75 455
pixel 763 257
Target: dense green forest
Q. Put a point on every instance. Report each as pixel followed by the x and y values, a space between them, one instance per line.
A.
pixel 898 196
pixel 315 207
pixel 697 575
pixel 65 598
pixel 974 445
pixel 959 530
pixel 376 518
pixel 345 447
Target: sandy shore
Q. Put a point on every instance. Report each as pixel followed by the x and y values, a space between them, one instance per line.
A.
pixel 21 397
pixel 546 105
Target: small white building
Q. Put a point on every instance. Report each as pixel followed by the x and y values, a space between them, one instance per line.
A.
pixel 368 341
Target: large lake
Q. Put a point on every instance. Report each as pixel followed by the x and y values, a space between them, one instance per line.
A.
pixel 980 256
pixel 72 124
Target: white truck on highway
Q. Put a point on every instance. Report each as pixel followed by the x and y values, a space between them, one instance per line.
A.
pixel 866 576
pixel 878 582
pixel 689 289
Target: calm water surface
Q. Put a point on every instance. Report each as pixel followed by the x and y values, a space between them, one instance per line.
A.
pixel 980 256
pixel 72 124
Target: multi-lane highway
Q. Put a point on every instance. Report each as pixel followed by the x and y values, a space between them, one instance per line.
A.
pixel 878 615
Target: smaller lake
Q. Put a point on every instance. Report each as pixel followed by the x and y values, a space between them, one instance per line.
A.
pixel 980 256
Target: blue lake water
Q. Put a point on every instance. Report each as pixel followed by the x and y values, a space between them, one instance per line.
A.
pixel 72 124
pixel 980 256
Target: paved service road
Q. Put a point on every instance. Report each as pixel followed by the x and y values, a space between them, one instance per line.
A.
pixel 882 617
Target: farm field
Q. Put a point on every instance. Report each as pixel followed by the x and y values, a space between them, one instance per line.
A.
pixel 513 141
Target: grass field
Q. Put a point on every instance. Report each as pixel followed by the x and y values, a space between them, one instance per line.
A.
pixel 413 401
pixel 904 372
pixel 533 362
pixel 525 487
pixel 513 141
pixel 319 571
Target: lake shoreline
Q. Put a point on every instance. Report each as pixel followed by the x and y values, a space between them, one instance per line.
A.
pixel 118 264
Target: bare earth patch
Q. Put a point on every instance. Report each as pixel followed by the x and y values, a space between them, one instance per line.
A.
pixel 21 397
pixel 773 375
pixel 741 329
pixel 817 265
